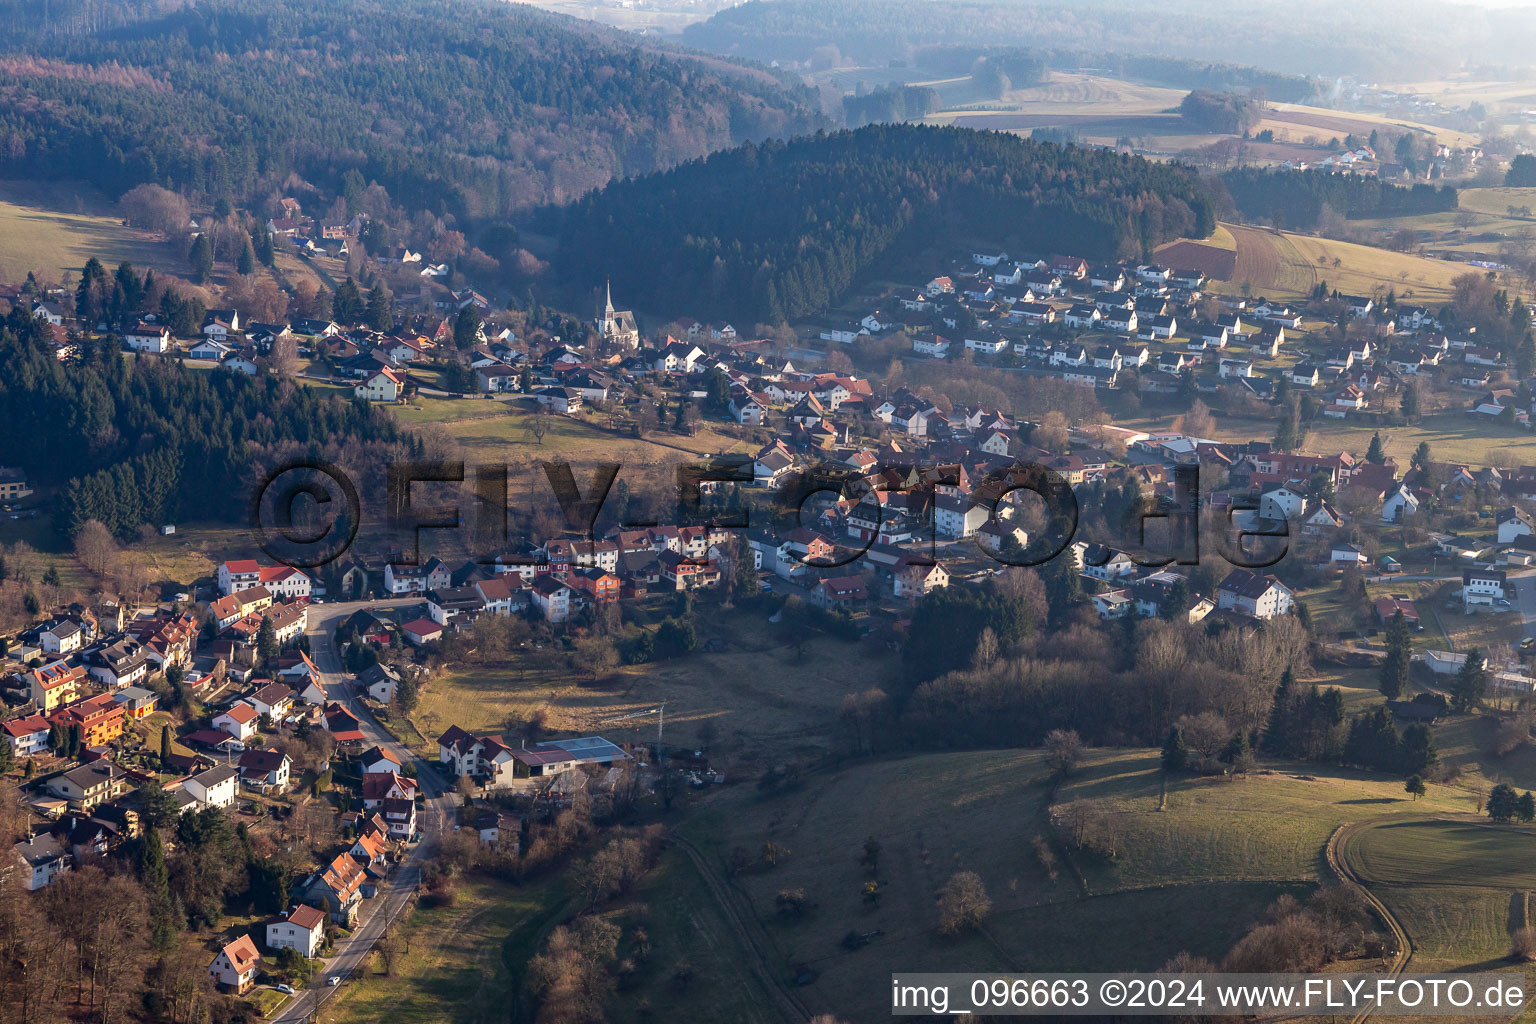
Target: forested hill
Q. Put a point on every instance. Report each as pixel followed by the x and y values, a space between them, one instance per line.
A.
pixel 142 441
pixel 1367 38
pixel 465 106
pixel 775 231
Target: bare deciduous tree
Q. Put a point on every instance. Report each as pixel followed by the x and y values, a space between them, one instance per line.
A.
pixel 963 903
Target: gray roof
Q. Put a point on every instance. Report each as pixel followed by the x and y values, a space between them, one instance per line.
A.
pixel 40 849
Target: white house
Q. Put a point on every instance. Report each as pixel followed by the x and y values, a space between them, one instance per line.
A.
pixel 1513 522
pixel 142 337
pixel 386 385
pixel 302 930
pixel 45 857
pixel 239 720
pixel 1398 504
pixel 1263 597
pixel 1481 587
pixel 1281 503
pixel 215 787
pixel 236 966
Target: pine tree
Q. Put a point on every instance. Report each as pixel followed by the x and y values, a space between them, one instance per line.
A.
pixel 1287 434
pixel 1175 751
pixel 246 263
pixel 406 694
pixel 1525 807
pixel 1414 786
pixel 379 316
pixel 1238 754
pixel 1376 453
pixel 347 305
pixel 1471 685
pixel 1277 738
pixel 7 758
pixel 153 872
pixel 264 249
pixel 1393 679
pixel 201 258
pixel 1418 751
pixel 165 744
pixel 1503 803
pixel 266 640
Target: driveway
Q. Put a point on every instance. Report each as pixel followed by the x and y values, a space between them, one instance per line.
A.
pixel 436 817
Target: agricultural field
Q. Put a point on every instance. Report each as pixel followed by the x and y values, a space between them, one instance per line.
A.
pixel 456 961
pixel 1459 888
pixel 1453 436
pixel 754 713
pixel 1287 265
pixel 51 242
pixel 1296 122
pixel 503 430
pixel 1243 843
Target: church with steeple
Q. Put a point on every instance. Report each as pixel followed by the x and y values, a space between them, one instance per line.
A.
pixel 617 326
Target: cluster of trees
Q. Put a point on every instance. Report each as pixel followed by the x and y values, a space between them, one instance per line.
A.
pixel 488 107
pixel 1221 111
pixel 826 208
pixel 1108 686
pixel 890 103
pixel 1374 742
pixel 1296 199
pixel 1506 805
pixel 141 441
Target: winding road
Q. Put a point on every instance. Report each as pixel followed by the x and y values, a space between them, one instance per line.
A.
pixel 435 817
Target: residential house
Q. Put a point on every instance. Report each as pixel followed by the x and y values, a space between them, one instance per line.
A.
pixel 1482 588
pixel 26 736
pixel 45 857
pixel 914 580
pixel 338 887
pixel 214 787
pixel 238 720
pixel 385 385
pixel 1513 522
pixel 265 771
pixel 89 785
pixel 1261 596
pixel 302 930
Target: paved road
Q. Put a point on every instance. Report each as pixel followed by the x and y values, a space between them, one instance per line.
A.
pixel 433 820
pixel 1525 600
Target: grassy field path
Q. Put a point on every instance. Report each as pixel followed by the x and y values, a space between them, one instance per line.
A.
pixel 1338 858
pixel 785 1000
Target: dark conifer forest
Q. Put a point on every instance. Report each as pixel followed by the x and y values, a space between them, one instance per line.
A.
pixel 779 230
pixel 1294 199
pixel 469 107
pixel 136 441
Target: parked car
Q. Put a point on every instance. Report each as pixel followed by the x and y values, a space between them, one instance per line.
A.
pixel 333 980
pixel 287 989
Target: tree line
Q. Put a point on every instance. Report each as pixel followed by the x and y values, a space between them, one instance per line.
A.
pixel 827 208
pixel 1295 199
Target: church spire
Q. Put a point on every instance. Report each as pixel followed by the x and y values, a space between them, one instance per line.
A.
pixel 608 308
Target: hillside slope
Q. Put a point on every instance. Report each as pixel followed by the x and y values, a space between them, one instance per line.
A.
pixel 1377 38
pixel 458 106
pixel 778 231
